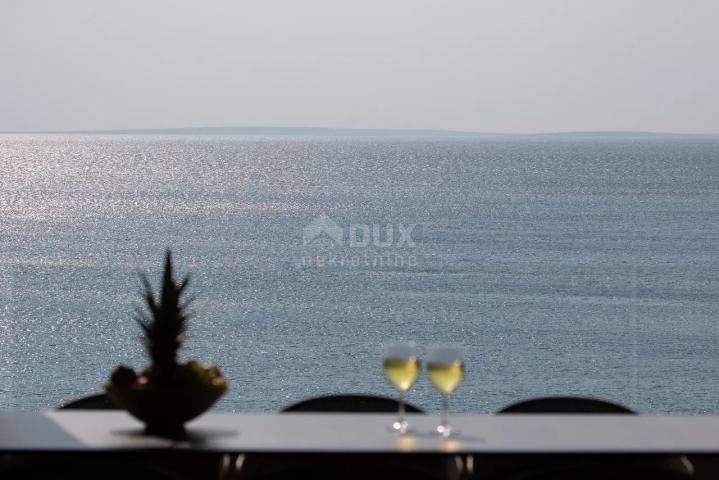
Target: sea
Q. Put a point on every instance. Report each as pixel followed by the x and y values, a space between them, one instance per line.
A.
pixel 559 264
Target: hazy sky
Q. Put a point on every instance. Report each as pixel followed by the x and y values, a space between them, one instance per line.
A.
pixel 479 65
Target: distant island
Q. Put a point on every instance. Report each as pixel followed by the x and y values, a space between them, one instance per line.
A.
pixel 351 132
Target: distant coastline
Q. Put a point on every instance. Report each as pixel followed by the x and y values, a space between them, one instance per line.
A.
pixel 352 132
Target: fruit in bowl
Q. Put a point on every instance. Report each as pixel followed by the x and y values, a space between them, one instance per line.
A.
pixel 165 407
pixel 167 394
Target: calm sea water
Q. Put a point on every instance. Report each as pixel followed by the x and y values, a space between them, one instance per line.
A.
pixel 561 265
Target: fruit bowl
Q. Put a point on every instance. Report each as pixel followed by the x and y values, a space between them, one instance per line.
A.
pixel 164 409
pixel 167 394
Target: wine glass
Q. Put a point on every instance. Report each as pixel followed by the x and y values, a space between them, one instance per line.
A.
pixel 445 369
pixel 401 368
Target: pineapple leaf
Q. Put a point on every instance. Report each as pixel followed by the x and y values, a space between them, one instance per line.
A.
pixel 164 324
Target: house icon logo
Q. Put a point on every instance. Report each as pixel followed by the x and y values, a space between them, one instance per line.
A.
pixel 322 225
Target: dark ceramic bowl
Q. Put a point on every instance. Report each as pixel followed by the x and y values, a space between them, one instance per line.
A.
pixel 164 410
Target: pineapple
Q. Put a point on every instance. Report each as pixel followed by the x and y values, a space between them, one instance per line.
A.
pixel 164 323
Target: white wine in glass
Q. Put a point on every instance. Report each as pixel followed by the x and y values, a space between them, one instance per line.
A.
pixel 401 368
pixel 445 369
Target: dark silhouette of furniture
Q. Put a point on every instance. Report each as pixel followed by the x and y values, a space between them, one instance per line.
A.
pixel 356 466
pixel 349 404
pixel 566 405
pixel 99 401
pixel 108 467
pixel 578 466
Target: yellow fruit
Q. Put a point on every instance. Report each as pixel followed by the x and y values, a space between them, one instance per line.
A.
pixel 219 383
pixel 212 370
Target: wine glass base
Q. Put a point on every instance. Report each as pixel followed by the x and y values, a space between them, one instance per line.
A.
pixel 400 427
pixel 445 431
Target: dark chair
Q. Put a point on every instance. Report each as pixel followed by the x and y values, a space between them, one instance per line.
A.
pixel 604 471
pixel 349 404
pixel 62 466
pixel 99 401
pixel 155 467
pixel 559 405
pixel 376 467
pixel 565 467
pixel 94 470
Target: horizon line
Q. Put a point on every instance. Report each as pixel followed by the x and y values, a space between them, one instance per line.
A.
pixel 335 131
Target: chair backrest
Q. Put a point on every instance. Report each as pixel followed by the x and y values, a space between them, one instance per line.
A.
pixel 98 401
pixel 538 468
pixel 350 466
pixel 559 405
pixel 350 403
pixel 82 470
pixel 614 471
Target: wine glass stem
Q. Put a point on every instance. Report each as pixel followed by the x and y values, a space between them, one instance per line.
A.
pixel 401 412
pixel 445 407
